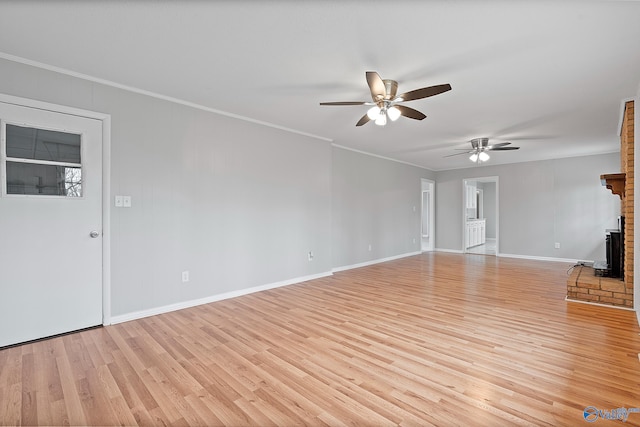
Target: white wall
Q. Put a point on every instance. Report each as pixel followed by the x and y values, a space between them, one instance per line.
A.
pixel 375 202
pixel 541 203
pixel 237 204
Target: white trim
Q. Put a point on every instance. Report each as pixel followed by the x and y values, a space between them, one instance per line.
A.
pixel 598 304
pixel 219 297
pixel 106 220
pixel 497 224
pixel 375 261
pixel 381 157
pixel 87 77
pixel 451 251
pixel 636 206
pixel 47 106
pixel 542 258
pixel 465 201
pixel 480 203
pixel 42 162
pixel 213 298
pixel 106 182
pixel 428 186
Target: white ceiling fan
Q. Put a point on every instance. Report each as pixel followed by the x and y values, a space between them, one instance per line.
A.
pixel 480 147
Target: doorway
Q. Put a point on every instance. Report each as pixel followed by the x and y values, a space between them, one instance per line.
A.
pixel 51 221
pixel 480 229
pixel 427 222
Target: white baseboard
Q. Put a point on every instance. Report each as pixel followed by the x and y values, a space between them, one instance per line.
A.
pixel 598 304
pixel 219 297
pixel 534 258
pixel 452 251
pixel 542 258
pixel 375 261
pixel 213 298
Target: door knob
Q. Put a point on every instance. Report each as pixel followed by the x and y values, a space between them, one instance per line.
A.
pixel 94 234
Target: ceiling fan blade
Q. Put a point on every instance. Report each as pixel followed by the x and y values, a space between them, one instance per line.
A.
pixel 376 85
pixel 500 144
pixel 425 92
pixel 363 120
pixel 410 112
pixel 504 148
pixel 457 154
pixel 344 103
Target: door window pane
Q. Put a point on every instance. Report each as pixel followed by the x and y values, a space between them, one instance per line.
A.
pixel 43 162
pixel 41 144
pixel 39 179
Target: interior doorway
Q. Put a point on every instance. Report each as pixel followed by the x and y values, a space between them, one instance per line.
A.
pixel 480 224
pixel 427 223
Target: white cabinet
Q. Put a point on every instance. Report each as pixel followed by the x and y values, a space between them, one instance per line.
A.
pixel 470 196
pixel 476 232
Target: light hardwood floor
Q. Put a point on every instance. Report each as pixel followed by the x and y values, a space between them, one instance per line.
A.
pixel 435 339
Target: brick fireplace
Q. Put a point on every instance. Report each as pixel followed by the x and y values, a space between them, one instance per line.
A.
pixel 582 284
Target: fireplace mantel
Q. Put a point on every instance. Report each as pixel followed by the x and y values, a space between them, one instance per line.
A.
pixel 614 182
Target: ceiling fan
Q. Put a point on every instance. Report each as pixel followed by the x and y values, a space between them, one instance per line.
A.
pixel 479 148
pixel 385 103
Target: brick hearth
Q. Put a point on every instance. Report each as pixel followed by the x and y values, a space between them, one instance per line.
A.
pixel 584 285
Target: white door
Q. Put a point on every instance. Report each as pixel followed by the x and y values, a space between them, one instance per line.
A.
pixel 50 223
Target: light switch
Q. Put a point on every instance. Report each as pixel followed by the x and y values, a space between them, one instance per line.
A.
pixel 118 201
pixel 126 201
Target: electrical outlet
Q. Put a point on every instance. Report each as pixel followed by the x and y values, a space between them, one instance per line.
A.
pixel 118 201
pixel 185 276
pixel 557 245
pixel 126 201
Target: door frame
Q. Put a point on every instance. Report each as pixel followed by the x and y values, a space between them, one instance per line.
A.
pixel 106 183
pixel 428 186
pixel 464 209
pixel 480 202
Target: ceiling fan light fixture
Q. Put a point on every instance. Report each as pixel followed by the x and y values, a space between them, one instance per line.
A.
pixel 393 113
pixel 480 147
pixel 373 112
pixel 381 120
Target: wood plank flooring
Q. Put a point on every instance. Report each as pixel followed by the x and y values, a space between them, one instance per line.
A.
pixel 435 339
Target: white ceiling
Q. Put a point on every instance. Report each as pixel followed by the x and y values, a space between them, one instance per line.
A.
pixel 549 76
